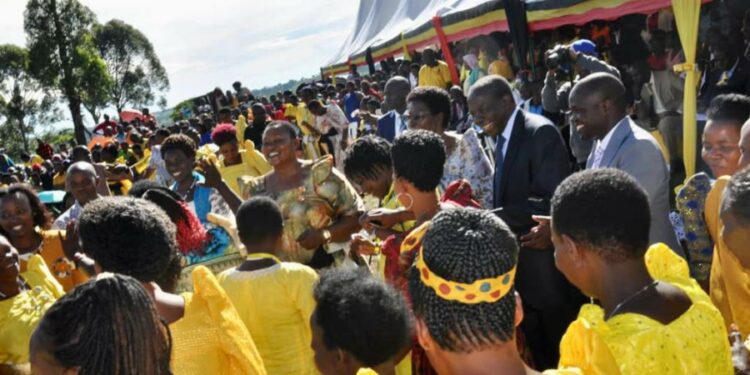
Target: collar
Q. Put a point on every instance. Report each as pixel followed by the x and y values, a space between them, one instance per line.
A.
pixel 509 126
pixel 604 142
pixel 389 196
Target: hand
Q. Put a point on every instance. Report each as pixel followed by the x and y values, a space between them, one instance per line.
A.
pixel 70 241
pixel 344 144
pixel 739 352
pixel 210 172
pixel 380 217
pixel 311 239
pixel 540 236
pixel 362 245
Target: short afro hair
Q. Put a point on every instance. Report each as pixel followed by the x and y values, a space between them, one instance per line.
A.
pixel 362 315
pixel 258 219
pixel 129 236
pixel 729 108
pixel 418 156
pixel 366 156
pixel 284 125
pixel 604 209
pixel 465 245
pixel 179 142
pixel 737 196
pixel 224 133
pixel 436 99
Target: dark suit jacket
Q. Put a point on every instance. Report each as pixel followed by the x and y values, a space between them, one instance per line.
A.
pixel 535 162
pixel 387 126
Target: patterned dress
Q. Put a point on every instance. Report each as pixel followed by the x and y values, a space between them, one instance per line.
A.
pixel 468 162
pixel 324 197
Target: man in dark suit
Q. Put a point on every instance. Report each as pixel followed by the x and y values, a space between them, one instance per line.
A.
pixel 393 123
pixel 530 161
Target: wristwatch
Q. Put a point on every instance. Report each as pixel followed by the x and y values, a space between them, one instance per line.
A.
pixel 326 236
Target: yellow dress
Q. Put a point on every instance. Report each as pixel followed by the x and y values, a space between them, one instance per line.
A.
pixel 730 281
pixel 501 68
pixel 210 338
pixel 20 315
pixel 694 343
pixel 61 268
pixel 276 304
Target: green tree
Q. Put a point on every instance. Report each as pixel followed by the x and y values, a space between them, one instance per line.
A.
pixel 24 102
pixel 96 83
pixel 137 74
pixel 56 33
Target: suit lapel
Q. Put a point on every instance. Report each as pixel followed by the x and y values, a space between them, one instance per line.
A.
pixel 516 139
pixel 622 132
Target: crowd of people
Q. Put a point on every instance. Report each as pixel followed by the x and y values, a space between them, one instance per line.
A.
pixel 398 223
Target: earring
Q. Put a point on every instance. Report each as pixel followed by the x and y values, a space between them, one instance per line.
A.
pixel 411 200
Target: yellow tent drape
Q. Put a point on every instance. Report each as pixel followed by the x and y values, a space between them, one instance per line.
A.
pixel 687 15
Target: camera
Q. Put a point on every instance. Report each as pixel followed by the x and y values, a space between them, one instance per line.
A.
pixel 558 57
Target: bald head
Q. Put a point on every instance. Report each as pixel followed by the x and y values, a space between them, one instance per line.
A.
pixel 81 182
pixel 493 86
pixel 604 85
pixel 396 90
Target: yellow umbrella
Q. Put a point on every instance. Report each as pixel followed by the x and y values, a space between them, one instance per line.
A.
pixel 687 14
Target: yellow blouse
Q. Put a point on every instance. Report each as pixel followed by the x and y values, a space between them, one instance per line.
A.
pixel 20 315
pixel 60 267
pixel 253 164
pixel 210 338
pixel 730 281
pixel 694 343
pixel 276 304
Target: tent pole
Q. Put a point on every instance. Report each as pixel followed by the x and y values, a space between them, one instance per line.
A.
pixel 437 24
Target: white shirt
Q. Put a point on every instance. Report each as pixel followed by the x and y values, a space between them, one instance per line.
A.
pixel 602 144
pixel 508 131
pixel 73 213
pixel 162 176
pixel 399 123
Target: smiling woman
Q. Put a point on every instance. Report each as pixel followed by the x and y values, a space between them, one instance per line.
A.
pixel 320 207
pixel 25 221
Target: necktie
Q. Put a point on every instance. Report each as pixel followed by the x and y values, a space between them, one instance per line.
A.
pixel 499 158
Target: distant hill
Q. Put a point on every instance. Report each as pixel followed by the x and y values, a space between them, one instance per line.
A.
pixel 290 85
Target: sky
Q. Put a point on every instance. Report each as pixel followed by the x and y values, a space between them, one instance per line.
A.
pixel 210 43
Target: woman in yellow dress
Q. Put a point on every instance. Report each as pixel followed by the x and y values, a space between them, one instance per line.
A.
pixel 25 222
pixel 236 162
pixel 107 325
pixel 652 318
pixel 348 334
pixel 24 297
pixel 135 237
pixel 273 298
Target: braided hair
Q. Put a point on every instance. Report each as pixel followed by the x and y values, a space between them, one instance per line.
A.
pixel 418 156
pixel 129 236
pixel 366 157
pixel 464 245
pixel 108 325
pixel 352 309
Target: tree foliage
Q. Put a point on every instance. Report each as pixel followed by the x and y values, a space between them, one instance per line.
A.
pixel 137 74
pixel 24 101
pixel 60 57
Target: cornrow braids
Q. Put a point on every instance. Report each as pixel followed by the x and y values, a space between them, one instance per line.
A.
pixel 108 325
pixel 129 236
pixel 418 156
pixel 366 157
pixel 464 245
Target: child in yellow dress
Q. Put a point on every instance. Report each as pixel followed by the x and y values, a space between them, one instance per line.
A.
pixel 652 318
pixel 273 298
pixel 135 237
